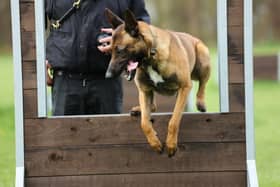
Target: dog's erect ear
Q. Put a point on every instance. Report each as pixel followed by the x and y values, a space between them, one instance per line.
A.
pixel 113 19
pixel 131 25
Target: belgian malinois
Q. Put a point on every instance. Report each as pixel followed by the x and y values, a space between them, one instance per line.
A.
pixel 162 61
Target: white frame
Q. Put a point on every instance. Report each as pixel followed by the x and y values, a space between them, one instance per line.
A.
pixel 249 94
pixel 18 92
pixel 223 54
pixel 278 66
pixel 222 61
pixel 41 58
pixel 40 41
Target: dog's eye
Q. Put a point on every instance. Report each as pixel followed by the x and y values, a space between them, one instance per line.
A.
pixel 120 48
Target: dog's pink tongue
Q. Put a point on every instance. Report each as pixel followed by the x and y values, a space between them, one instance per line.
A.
pixel 132 65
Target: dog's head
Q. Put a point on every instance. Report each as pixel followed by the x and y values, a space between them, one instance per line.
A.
pixel 129 45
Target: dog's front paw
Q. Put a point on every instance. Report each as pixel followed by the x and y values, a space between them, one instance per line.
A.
pixel 171 150
pixel 171 145
pixel 155 144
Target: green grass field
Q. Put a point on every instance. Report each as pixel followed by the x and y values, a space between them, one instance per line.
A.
pixel 7 137
pixel 267 120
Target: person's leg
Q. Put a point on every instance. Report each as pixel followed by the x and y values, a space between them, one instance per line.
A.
pixel 58 95
pixel 105 96
pixel 68 96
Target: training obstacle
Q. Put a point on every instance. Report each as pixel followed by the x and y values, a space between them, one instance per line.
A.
pixel 215 149
pixel 267 67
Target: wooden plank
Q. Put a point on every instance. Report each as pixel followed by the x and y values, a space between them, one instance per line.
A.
pixel 119 159
pixel 29 75
pixel 217 179
pixel 265 67
pixel 235 45
pixel 236 55
pixel 28 46
pixel 30 104
pixel 237 73
pixel 237 97
pixel 126 130
pixel 27 17
pixel 235 12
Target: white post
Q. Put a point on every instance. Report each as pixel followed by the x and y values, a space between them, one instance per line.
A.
pixel 191 101
pixel 223 54
pixel 18 91
pixel 41 58
pixel 249 94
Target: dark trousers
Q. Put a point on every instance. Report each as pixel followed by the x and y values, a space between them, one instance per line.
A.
pixel 79 96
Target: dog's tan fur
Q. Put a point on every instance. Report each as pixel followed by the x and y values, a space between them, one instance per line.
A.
pixel 178 59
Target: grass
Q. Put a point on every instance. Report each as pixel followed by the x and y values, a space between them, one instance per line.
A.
pixel 267 48
pixel 267 118
pixel 7 138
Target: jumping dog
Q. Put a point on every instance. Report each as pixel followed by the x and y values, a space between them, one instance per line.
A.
pixel 160 61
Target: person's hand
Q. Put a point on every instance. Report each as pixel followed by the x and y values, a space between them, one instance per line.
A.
pixel 106 48
pixel 48 72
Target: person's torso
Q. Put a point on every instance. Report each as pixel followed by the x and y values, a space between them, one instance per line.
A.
pixel 74 45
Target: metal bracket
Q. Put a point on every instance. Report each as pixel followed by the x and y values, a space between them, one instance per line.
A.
pixel 76 4
pixel 56 24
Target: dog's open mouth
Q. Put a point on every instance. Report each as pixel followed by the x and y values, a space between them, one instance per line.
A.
pixel 131 70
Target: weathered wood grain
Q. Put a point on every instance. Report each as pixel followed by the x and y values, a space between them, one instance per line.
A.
pixel 118 159
pixel 236 55
pixel 126 130
pixel 29 75
pixel 237 97
pixel 27 17
pixel 235 12
pixel 28 46
pixel 216 179
pixel 30 104
pixel 237 73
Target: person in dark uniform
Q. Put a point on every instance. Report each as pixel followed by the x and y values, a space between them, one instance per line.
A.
pixel 77 59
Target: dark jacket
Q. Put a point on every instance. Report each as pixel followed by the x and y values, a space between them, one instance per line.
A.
pixel 73 47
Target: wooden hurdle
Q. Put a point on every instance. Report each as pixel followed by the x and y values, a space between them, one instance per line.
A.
pixel 215 149
pixel 267 67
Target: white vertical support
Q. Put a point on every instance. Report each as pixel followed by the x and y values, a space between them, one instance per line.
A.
pixel 278 66
pixel 223 54
pixel 41 58
pixel 18 92
pixel 191 101
pixel 249 94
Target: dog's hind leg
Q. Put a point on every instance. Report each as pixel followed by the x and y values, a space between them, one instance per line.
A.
pixel 146 124
pixel 174 123
pixel 136 111
pixel 202 73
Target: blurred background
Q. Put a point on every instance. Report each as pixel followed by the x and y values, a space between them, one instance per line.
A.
pixel 197 17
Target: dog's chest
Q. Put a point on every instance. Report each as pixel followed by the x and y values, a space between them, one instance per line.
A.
pixel 154 75
pixel 152 79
